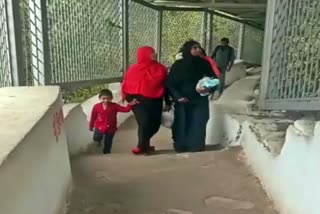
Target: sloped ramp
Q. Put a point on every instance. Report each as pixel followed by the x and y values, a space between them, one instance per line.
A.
pixel 213 182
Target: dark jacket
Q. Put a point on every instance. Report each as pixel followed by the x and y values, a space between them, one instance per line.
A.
pixel 184 76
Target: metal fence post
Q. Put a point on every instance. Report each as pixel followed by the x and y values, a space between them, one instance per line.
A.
pixel 46 46
pixel 125 34
pixel 205 29
pixel 15 43
pixel 210 34
pixel 241 39
pixel 159 34
pixel 267 52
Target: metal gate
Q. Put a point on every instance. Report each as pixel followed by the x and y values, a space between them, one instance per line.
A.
pixel 291 75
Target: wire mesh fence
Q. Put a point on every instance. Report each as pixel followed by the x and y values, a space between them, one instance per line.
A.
pixel 32 40
pixel 80 42
pixel 223 27
pixel 178 27
pixel 294 65
pixel 5 69
pixel 143 26
pixel 85 39
pixel 252 46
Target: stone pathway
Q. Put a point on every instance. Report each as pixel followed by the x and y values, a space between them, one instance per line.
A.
pixel 213 182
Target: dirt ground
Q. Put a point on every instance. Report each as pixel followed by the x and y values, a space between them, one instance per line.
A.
pixel 213 182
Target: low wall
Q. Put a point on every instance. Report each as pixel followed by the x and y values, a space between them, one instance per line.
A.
pixel 35 173
pixel 76 125
pixel 222 127
pixel 283 153
pixel 238 71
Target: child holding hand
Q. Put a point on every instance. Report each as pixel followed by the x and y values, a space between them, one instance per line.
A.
pixel 103 120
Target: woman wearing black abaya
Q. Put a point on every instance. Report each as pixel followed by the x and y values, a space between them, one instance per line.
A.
pixel 191 110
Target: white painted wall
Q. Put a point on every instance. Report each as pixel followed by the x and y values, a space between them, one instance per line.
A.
pixel 222 127
pixel 77 129
pixel 237 72
pixel 35 173
pixel 291 178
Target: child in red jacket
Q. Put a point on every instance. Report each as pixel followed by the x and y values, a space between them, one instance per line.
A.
pixel 104 119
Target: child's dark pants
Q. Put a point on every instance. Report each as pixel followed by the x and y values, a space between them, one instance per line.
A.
pixel 107 140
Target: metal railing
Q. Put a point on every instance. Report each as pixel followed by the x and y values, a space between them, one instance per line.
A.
pixel 85 41
pixel 291 76
pixel 5 67
pixel 252 45
pixel 143 27
pixel 80 43
pixel 179 26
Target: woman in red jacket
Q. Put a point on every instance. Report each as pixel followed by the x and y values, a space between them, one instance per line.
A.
pixel 213 64
pixel 145 81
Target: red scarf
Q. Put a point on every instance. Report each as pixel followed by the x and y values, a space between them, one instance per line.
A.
pixel 213 66
pixel 146 77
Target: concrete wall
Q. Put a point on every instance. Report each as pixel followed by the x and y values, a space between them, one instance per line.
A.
pixel 35 173
pixel 222 127
pixel 237 72
pixel 284 154
pixel 292 178
pixel 78 135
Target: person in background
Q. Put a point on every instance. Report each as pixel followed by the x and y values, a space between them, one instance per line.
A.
pixel 224 56
pixel 145 81
pixel 213 64
pixel 191 110
pixel 103 121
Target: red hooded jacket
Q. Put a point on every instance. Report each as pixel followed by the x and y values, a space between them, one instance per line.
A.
pixel 105 120
pixel 213 65
pixel 146 77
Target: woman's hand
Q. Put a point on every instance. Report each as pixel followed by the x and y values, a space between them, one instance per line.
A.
pixel 202 90
pixel 183 100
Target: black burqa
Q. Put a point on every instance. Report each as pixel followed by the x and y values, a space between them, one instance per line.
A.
pixel 190 119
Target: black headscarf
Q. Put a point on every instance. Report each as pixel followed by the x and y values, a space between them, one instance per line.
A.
pixel 186 49
pixel 185 73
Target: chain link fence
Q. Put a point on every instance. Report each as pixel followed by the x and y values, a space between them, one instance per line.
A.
pixel 223 27
pixel 293 78
pixel 32 40
pixel 252 46
pixel 80 42
pixel 143 26
pixel 177 28
pixel 5 69
pixel 85 39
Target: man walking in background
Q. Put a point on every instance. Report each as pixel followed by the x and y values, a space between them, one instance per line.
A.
pixel 224 56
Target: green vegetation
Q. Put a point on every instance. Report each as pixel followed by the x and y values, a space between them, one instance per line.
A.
pixel 179 26
pixel 82 94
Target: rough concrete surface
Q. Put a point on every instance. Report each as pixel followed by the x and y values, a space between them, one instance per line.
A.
pixel 213 182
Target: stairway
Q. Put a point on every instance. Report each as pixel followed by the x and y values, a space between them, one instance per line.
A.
pixel 212 182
